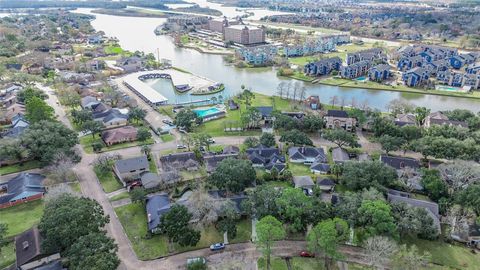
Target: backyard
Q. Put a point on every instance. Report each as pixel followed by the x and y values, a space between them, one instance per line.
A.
pixel 133 219
pixel 108 181
pixel 32 164
pixel 7 256
pixel 22 217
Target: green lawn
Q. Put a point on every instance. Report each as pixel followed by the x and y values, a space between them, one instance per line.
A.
pixel 299 263
pixel 445 254
pixel 32 164
pixel 167 137
pixel 22 217
pixel 108 181
pixel 299 169
pixel 280 184
pixel 76 187
pixel 120 196
pixel 152 164
pixel 186 175
pixel 244 231
pixel 7 256
pixel 86 142
pixel 112 49
pixel 276 263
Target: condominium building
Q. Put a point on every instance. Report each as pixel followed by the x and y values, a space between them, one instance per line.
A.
pixel 243 34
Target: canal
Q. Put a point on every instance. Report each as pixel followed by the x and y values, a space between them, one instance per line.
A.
pixel 137 34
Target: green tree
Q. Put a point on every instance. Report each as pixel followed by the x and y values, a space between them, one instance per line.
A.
pixel 325 238
pixel 294 208
pixel 143 134
pixel 250 117
pixel 414 221
pixel 137 114
pixel 377 219
pixel 262 201
pixel 45 139
pixel 36 110
pixel 336 169
pixel 390 143
pixel 434 185
pixel 29 92
pixel 469 198
pixel 92 126
pixel 186 119
pixel 267 139
pixel 138 194
pixel 3 233
pixel 82 116
pixel 202 140
pixel 12 149
pixel 234 175
pixel 411 258
pixel 187 140
pixel 251 142
pixel 420 114
pixel 93 251
pixel 66 219
pixel 295 137
pixel 341 137
pixel 269 229
pixel 365 174
pixel 175 225
pixel 312 123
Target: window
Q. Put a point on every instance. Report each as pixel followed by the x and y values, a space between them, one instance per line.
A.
pixel 402 165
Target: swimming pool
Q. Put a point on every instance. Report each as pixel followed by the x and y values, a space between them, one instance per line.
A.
pixel 206 112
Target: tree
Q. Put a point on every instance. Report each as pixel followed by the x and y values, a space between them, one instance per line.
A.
pixel 269 229
pixel 137 114
pixel 333 100
pixel 82 116
pixel 12 149
pixel 234 175
pixel 326 236
pixel 186 119
pixel 420 114
pixel 187 140
pixel 384 126
pixel 379 250
pixel 365 174
pixel 60 170
pixel 390 143
pixel 3 233
pixel 411 259
pixel 228 220
pixel 295 137
pixel 138 194
pixel 29 92
pixel 147 150
pixel 251 117
pixel 460 174
pixel 45 139
pixel 143 134
pixel 341 137
pixel 202 140
pixel 267 139
pixel 336 169
pixel 174 224
pixel 414 221
pixel 469 198
pixel 400 106
pixel 36 110
pixel 93 251
pixel 66 219
pixel 204 208
pixel 251 142
pixel 92 126
pixel 377 219
pixel 433 185
pixel 294 208
pixel 262 202
pixel 312 123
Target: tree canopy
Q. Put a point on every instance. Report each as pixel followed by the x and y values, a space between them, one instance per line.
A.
pixel 295 137
pixel 93 251
pixel 175 224
pixel 186 119
pixel 234 175
pixel 365 174
pixel 377 219
pixel 341 137
pixel 269 229
pixel 36 110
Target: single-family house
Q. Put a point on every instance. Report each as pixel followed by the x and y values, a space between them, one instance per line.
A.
pixel 306 155
pixel 379 73
pixel 405 120
pixel 266 157
pixel 29 254
pixel 24 187
pixel 130 64
pixel 212 161
pixel 303 182
pixel 313 102
pixel 231 149
pixel 19 125
pixel 438 118
pixel 179 161
pixel 88 102
pixel 111 118
pixel 326 184
pixel 150 180
pixel 339 155
pixel 130 169
pixel 119 135
pixel 318 167
pixel 266 114
pixel 237 199
pixel 156 206
pixel 339 119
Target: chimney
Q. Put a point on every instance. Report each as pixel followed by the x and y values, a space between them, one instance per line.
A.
pixel 25 245
pixel 149 218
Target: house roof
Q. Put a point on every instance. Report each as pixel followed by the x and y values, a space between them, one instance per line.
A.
pixel 337 113
pixel 213 160
pixel 230 149
pixel 406 118
pixel 177 157
pixel 303 181
pixel 118 134
pixel 321 167
pixel 150 180
pixel 275 165
pixel 438 115
pixel 27 246
pixel 235 198
pixel 21 186
pixel 55 265
pixel 340 155
pixel 130 164
pixel 114 114
pixel 400 162
pixel 301 153
pixel 88 101
pixel 430 206
pixel 265 110
pixel 325 182
pixel 156 206
pixel 100 107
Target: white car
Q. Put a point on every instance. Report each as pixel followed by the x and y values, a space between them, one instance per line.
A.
pixel 181 146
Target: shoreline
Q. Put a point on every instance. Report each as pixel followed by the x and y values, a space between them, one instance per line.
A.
pixel 200 50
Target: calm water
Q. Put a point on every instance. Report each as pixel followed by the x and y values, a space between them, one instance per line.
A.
pixel 137 34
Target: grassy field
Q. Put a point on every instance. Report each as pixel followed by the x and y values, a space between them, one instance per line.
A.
pixel 76 187
pixel 108 181
pixel 244 231
pixel 299 169
pixel 120 196
pixel 32 164
pixel 134 221
pixel 452 256
pixel 7 256
pixel 86 142
pixel 22 217
pixel 167 137
pixel 276 263
pixel 299 263
pixel 113 49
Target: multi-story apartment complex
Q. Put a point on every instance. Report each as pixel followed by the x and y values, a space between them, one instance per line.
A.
pixel 219 25
pixel 243 34
pixel 258 55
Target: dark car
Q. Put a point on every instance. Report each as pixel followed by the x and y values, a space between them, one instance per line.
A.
pixel 306 254
pixel 217 246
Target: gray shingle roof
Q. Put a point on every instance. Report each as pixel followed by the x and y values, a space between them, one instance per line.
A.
pixel 156 206
pixel 130 164
pixel 400 162
pixel 303 181
pixel 22 185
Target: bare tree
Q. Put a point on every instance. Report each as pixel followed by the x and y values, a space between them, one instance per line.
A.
pixel 281 89
pixel 409 177
pixel 204 208
pixel 379 250
pixel 459 174
pixel 364 105
pixel 400 106
pixel 342 102
pixel 333 100
pixel 302 94
pixel 60 171
pixel 287 90
pixel 354 102
pixel 459 220
pixel 57 190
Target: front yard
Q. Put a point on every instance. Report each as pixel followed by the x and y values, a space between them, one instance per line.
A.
pixel 87 140
pixel 108 180
pixel 32 164
pixel 134 220
pixel 22 217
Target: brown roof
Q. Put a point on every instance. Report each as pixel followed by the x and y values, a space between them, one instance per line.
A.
pixel 27 246
pixel 119 134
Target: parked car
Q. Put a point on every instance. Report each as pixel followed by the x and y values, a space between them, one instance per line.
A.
pixel 306 254
pixel 181 146
pixel 217 246
pixel 181 130
pixel 211 140
pixel 196 261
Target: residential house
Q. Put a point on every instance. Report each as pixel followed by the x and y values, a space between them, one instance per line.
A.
pixel 266 114
pixel 237 199
pixel 19 125
pixel 356 69
pixel 306 155
pixel 339 155
pixel 407 168
pixel 156 205
pixel 326 184
pixel 365 55
pixel 88 102
pixel 467 232
pixel 119 135
pixel 415 77
pixel 24 187
pixel 179 161
pixel 74 77
pixel 130 169
pixel 294 115
pixel 313 102
pixel 319 167
pixel 11 112
pixel 395 196
pixel 379 73
pixel 100 107
pixel 405 120
pixel 212 161
pixel 266 157
pixel 304 182
pixel 339 119
pixel 111 118
pixel 323 67
pixel 438 118
pixel 29 254
pixel 232 105
pixel 130 64
pixel 231 149
pixel 150 180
